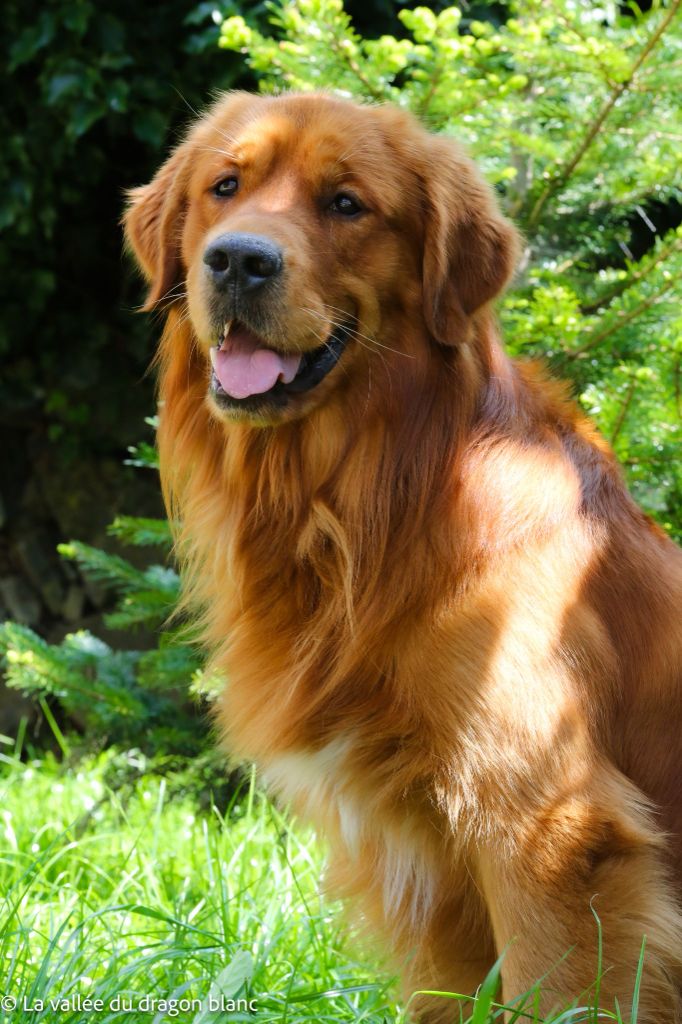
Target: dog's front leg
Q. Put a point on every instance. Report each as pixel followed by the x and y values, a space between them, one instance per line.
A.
pixel 591 854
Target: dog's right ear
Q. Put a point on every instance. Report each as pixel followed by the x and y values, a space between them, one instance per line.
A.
pixel 153 226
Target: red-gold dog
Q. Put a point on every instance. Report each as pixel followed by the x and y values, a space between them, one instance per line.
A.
pixel 451 638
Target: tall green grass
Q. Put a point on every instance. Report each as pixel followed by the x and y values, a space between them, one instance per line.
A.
pixel 131 892
pixel 115 886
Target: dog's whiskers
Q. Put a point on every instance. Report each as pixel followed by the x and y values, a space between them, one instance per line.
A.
pixel 367 337
pixel 220 152
pixel 343 325
pixel 182 319
pixel 173 294
pixel 319 336
pixel 354 332
pixel 330 321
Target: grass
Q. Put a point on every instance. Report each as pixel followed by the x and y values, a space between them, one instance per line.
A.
pixel 133 893
pixel 116 887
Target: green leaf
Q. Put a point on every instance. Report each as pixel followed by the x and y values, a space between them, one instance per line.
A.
pixel 485 996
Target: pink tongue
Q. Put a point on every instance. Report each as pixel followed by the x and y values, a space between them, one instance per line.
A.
pixel 245 367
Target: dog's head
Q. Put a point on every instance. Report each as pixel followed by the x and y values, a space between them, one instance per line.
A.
pixel 309 235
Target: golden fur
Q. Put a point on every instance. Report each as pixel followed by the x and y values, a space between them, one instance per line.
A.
pixel 451 638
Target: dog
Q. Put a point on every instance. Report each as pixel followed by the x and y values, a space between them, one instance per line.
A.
pixel 451 638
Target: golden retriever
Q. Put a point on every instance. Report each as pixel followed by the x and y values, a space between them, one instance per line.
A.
pixel 451 639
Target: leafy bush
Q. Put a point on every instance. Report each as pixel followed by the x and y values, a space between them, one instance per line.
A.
pixel 88 105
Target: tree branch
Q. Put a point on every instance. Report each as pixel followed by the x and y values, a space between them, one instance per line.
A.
pixel 596 339
pixel 634 278
pixel 623 411
pixel 559 179
pixel 340 50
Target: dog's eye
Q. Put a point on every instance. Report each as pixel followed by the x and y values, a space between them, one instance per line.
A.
pixel 226 188
pixel 345 204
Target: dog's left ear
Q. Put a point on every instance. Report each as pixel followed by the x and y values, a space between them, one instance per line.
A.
pixel 470 250
pixel 153 225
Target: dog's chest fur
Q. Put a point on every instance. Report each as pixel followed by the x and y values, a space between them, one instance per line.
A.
pixel 319 785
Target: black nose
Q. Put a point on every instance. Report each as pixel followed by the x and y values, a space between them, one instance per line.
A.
pixel 247 261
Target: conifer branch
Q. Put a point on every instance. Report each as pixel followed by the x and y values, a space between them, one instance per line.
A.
pixel 635 278
pixel 562 175
pixel 623 410
pixel 617 324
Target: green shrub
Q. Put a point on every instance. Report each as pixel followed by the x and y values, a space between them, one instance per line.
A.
pixel 128 697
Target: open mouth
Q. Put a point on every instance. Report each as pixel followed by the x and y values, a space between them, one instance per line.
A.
pixel 247 374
